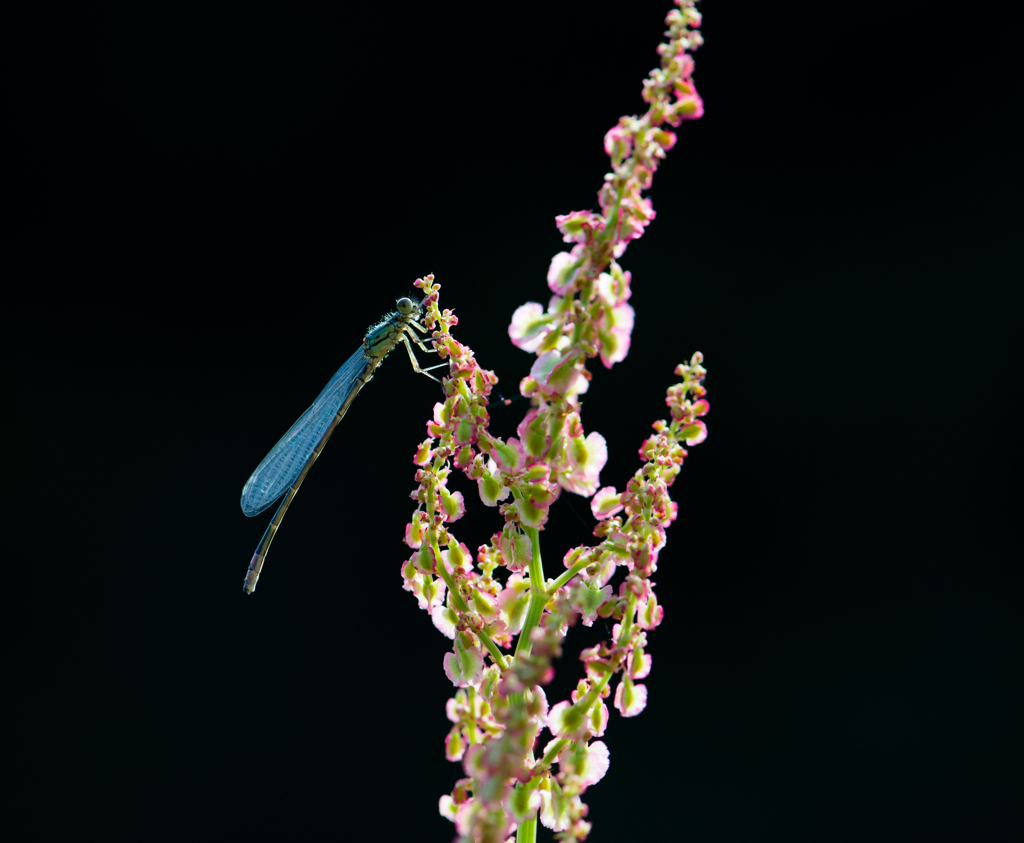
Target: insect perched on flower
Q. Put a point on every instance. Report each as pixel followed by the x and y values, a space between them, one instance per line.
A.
pixel 285 467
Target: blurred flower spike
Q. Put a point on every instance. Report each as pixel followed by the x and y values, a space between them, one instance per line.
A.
pixel 499 707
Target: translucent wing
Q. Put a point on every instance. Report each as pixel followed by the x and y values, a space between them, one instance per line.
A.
pixel 282 466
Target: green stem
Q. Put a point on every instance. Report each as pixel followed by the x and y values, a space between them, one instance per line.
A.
pixel 552 754
pixel 527 831
pixel 538 596
pixel 472 724
pixel 492 648
pixel 568 575
pixel 583 706
pixel 460 603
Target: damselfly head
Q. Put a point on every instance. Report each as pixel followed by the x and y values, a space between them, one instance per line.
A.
pixel 406 305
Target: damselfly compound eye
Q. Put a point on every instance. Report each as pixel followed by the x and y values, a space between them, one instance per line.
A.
pixel 405 306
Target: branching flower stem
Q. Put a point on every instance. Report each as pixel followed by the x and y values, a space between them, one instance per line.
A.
pixel 500 709
pixel 538 595
pixel 492 648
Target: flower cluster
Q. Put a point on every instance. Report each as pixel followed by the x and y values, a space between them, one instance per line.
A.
pixel 601 321
pixel 500 709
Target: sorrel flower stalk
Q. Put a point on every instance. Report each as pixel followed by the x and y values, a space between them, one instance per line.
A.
pixel 500 708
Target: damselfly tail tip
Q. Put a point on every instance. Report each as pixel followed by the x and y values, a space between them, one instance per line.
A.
pixel 251 576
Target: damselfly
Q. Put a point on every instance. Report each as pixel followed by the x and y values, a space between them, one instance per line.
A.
pixel 288 462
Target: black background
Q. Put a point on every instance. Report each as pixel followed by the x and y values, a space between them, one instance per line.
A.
pixel 212 205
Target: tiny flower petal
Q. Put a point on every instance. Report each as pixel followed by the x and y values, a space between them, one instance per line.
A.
pixel 465 665
pixel 665 139
pixel 566 721
pixel 444 619
pixel 530 514
pixel 586 599
pixel 648 613
pixel 694 433
pixel 557 809
pixel 639 664
pixel 562 274
pixel 542 367
pixel 595 764
pixel 447 808
pixel 597 719
pixel 457 556
pixel 606 503
pixel 414 532
pixel 491 489
pixel 453 505
pixel 617 143
pixel 576 225
pixel 466 812
pixel 454 748
pixel 423 454
pixel 513 603
pixel 565 377
pixel 516 551
pixel 509 456
pixel 531 431
pixel 522 803
pixel 614 346
pixel 588 458
pixel 630 699
pixel 530 325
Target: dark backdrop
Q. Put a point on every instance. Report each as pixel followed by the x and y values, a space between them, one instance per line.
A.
pixel 216 205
